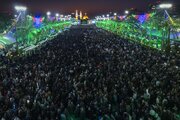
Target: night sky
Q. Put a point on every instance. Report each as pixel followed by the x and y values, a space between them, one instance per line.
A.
pixel 92 7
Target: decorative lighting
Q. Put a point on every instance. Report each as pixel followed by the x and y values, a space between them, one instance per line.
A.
pixel 141 18
pixel 122 17
pixel 115 14
pixel 20 8
pixel 107 15
pixel 37 21
pixel 57 15
pixel 126 12
pixel 165 6
pixel 48 13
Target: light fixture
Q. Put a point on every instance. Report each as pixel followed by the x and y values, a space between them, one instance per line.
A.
pixel 57 14
pixel 48 13
pixel 20 8
pixel 126 12
pixel 165 5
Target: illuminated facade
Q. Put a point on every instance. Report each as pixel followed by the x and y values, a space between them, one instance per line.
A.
pixel 81 15
pixel 76 15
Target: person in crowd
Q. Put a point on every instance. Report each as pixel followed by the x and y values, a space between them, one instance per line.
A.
pixel 91 74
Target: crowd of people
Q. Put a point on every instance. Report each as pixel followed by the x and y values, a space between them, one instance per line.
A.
pixel 90 74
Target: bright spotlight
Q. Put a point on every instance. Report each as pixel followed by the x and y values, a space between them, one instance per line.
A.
pixel 165 6
pixel 115 14
pixel 126 12
pixel 107 15
pixel 57 15
pixel 48 13
pixel 20 8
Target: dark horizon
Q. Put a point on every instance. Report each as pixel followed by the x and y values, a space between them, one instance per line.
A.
pixel 91 7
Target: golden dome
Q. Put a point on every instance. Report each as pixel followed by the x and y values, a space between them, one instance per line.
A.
pixel 85 17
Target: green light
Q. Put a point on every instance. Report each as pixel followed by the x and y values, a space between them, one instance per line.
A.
pixel 133 31
pixel 36 35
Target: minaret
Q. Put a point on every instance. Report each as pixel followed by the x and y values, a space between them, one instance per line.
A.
pixel 81 15
pixel 76 14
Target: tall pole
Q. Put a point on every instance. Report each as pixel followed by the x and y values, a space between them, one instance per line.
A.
pixel 21 23
pixel 115 16
pixel 166 6
pixel 48 15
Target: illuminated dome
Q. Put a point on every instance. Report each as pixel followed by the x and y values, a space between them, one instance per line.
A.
pixel 85 17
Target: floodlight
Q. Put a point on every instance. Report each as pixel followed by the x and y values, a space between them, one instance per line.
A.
pixel 48 13
pixel 20 8
pixel 165 6
pixel 57 15
pixel 126 12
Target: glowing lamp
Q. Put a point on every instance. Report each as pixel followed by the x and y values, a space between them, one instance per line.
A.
pixel 126 12
pixel 48 13
pixel 20 8
pixel 165 6
pixel 57 15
